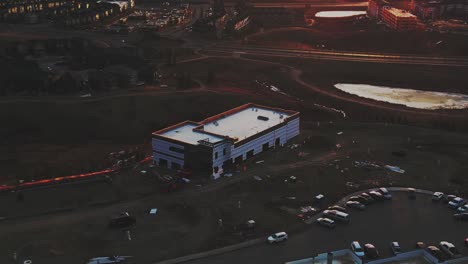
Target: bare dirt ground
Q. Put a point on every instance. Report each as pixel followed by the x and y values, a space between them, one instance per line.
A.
pixel 187 221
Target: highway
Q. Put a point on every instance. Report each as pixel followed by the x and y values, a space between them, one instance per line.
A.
pixel 240 50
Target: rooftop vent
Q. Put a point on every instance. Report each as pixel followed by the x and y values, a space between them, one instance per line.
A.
pixel 263 118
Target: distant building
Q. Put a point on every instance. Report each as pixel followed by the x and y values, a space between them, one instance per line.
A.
pixel 398 19
pixel 436 9
pixel 224 139
pixel 374 8
pixel 276 16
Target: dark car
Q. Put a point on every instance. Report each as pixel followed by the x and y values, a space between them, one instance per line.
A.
pixel 386 194
pixel 420 245
pixel 462 216
pixel 376 196
pixel 411 193
pixel 338 208
pixel 122 220
pixel 355 205
pixel 169 183
pixel 370 251
pixel 466 241
pixel 367 196
pixel 436 252
pixel 448 198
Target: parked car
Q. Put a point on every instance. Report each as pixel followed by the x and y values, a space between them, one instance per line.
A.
pixel 436 252
pixel 463 209
pixel 122 220
pixel 449 249
pixel 337 215
pixel 437 196
pixel 327 222
pixel 448 198
pixel 356 205
pixel 386 194
pixel 337 208
pixel 462 216
pixel 367 197
pixel 396 249
pixel 420 245
pixel 411 193
pixel 370 251
pixel 455 203
pixel 360 199
pixel 357 249
pixel 376 195
pixel 108 260
pixel 277 237
pixel 466 241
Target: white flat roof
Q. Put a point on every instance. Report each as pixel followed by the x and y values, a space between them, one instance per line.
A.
pixel 245 123
pixel 185 133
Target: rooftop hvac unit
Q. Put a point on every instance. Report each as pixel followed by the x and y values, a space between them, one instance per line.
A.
pixel 263 118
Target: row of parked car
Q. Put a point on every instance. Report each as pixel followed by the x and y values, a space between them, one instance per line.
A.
pixel 454 202
pixel 445 250
pixel 337 213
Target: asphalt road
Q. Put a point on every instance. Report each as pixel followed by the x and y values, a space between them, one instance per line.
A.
pixel 240 50
pixel 403 220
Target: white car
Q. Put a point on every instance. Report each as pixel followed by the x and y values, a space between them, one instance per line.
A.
pixel 463 209
pixel 357 249
pixel 449 248
pixel 278 237
pixel 437 196
pixel 108 260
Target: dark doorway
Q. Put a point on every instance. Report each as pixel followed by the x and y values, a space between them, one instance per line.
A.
pixel 176 166
pixel 265 147
pixel 250 154
pixel 277 142
pixel 238 159
pixel 163 163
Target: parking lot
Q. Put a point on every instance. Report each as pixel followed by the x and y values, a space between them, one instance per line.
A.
pixel 401 219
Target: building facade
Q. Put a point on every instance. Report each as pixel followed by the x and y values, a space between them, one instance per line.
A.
pixel 224 139
pixel 397 19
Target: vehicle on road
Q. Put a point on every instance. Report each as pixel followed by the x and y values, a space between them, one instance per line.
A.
pixel 277 237
pixel 436 252
pixel 357 249
pixel 449 249
pixel 456 202
pixel 395 247
pixel 386 194
pixel 337 208
pixel 327 222
pixel 376 196
pixel 411 193
pixel 437 196
pixel 356 205
pixel 420 245
pixel 466 241
pixel 448 198
pixel 461 216
pixel 108 260
pixel 370 251
pixel 124 219
pixel 337 215
pixel 463 209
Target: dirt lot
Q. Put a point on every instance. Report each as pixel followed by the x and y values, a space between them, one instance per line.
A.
pixel 368 38
pixel 187 221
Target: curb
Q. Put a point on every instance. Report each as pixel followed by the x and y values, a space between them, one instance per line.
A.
pixel 213 252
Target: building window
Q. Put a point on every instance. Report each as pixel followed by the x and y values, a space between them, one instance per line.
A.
pixel 175 149
pixel 224 152
pixel 216 155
